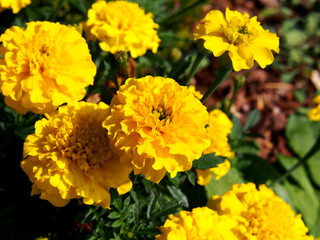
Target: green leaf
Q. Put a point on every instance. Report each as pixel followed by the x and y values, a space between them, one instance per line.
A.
pixel 252 119
pixel 126 202
pixel 258 170
pixel 295 37
pixel 178 195
pixel 151 205
pixel 208 161
pixel 236 131
pixel 303 203
pixel 117 223
pixel 114 215
pixel 219 187
pixel 301 133
pixel 314 165
pixel 299 175
pixel 300 95
pixel 191 177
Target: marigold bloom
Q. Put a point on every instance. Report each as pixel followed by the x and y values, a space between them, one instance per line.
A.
pixel 123 26
pixel 157 126
pixel 43 66
pixel 201 224
pixel 219 126
pixel 15 5
pixel 314 114
pixel 69 156
pixel 260 214
pixel 242 36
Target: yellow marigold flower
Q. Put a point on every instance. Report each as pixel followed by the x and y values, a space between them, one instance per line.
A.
pixel 123 26
pixel 201 224
pixel 69 156
pixel 242 36
pixel 260 214
pixel 314 114
pixel 43 66
pixel 15 5
pixel 195 92
pixel 157 126
pixel 219 126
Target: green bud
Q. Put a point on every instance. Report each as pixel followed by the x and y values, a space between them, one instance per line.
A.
pixel 121 57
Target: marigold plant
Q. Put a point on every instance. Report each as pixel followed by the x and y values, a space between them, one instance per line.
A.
pixel 43 66
pixel 219 126
pixel 243 37
pixel 69 157
pixel 260 214
pixel 201 223
pixel 157 126
pixel 15 5
pixel 123 26
pixel 314 114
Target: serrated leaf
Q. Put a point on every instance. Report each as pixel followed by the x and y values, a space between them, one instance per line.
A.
pixel 208 161
pixel 166 210
pixel 191 177
pixel 252 119
pixel 151 205
pixel 178 195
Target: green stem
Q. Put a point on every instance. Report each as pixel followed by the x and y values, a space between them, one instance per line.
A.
pixel 237 83
pixel 224 71
pixel 124 67
pixel 315 148
pixel 195 67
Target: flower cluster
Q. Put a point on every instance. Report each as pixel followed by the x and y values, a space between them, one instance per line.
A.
pixel 69 156
pixel 153 123
pixel 243 37
pixel 260 214
pixel 244 213
pixel 43 66
pixel 218 128
pixel 15 5
pixel 122 26
pixel 201 224
pixel 314 114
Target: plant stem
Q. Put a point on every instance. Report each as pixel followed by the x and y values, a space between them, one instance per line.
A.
pixel 224 71
pixel 315 148
pixel 238 82
pixel 195 67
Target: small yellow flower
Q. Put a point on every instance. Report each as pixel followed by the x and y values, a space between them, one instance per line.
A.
pixel 69 157
pixel 157 126
pixel 260 214
pixel 239 34
pixel 43 66
pixel 219 126
pixel 314 114
pixel 123 26
pixel 200 224
pixel 15 5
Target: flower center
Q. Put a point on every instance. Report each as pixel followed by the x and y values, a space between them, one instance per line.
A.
pixel 237 31
pixel 86 144
pixel 163 115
